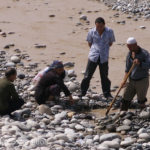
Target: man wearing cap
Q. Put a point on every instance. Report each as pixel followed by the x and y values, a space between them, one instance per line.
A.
pixel 139 77
pixel 99 39
pixel 51 84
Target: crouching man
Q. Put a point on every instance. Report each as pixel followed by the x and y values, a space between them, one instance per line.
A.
pixel 51 84
pixel 139 77
pixel 9 99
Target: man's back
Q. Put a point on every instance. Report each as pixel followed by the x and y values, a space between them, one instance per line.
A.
pixel 5 96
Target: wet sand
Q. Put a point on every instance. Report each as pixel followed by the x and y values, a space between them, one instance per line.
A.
pixel 30 21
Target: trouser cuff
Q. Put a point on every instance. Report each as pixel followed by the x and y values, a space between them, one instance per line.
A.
pixel 142 102
pixel 125 105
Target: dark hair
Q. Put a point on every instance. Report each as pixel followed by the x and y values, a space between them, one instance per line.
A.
pixel 100 20
pixel 10 71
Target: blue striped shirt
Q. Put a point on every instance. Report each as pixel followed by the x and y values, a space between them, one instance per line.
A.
pixel 100 44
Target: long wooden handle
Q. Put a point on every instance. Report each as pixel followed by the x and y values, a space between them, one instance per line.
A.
pixel 125 80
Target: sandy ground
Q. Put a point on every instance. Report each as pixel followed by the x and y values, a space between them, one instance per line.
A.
pixel 30 21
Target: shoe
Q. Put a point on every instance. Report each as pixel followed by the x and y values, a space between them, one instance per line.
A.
pixel 108 96
pixel 81 95
pixel 142 106
pixel 124 105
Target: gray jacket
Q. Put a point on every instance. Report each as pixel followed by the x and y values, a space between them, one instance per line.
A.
pixel 140 71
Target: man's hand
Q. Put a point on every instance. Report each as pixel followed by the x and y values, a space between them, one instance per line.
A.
pixel 136 61
pixel 123 84
pixel 71 100
pixel 110 44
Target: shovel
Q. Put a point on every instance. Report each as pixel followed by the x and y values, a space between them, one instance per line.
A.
pixel 125 80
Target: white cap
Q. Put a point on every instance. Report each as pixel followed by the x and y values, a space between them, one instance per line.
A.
pixel 131 40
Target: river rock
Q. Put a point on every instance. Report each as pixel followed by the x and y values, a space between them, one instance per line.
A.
pixel 15 59
pixel 71 73
pixel 123 128
pixel 70 134
pixel 18 114
pixel 127 122
pixel 21 76
pixel 96 138
pixel 83 17
pixel 40 46
pixel 145 136
pixel 144 115
pixel 128 142
pixel 10 64
pixel 44 109
pixel 142 130
pixel 111 128
pixel 73 87
pixel 69 64
pixel 79 127
pixel 109 137
pixel 61 115
pixel 61 137
pixel 111 144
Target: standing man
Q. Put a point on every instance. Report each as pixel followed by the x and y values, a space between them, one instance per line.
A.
pixel 139 77
pixel 99 39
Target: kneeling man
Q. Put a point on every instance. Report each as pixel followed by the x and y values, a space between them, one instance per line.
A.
pixel 51 84
pixel 9 98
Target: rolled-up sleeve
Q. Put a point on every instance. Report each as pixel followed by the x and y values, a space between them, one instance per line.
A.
pixel 89 37
pixel 112 36
pixel 63 87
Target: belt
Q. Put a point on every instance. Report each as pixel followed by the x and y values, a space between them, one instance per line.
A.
pixel 137 79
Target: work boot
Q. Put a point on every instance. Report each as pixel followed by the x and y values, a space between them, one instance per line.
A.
pixel 108 96
pixel 142 104
pixel 125 105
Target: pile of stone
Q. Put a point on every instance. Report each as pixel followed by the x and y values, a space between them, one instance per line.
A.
pixel 140 8
pixel 60 126
pixel 134 126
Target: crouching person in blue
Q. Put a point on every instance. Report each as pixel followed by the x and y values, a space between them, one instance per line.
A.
pixel 51 84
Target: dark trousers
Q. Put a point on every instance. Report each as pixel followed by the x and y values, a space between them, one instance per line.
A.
pixel 90 69
pixel 42 94
pixel 13 106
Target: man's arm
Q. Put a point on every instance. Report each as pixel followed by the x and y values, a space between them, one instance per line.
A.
pixel 13 92
pixel 112 38
pixel 89 38
pixel 146 63
pixel 90 44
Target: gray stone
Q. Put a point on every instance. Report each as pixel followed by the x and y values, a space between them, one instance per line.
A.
pixel 44 109
pixel 83 17
pixel 123 128
pixel 111 144
pixel 79 127
pixel 127 122
pixel 128 142
pixel 142 130
pixel 145 136
pixel 144 115
pixel 15 59
pixel 10 64
pixel 109 137
pixel 73 87
pixel 96 138
pixel 61 137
